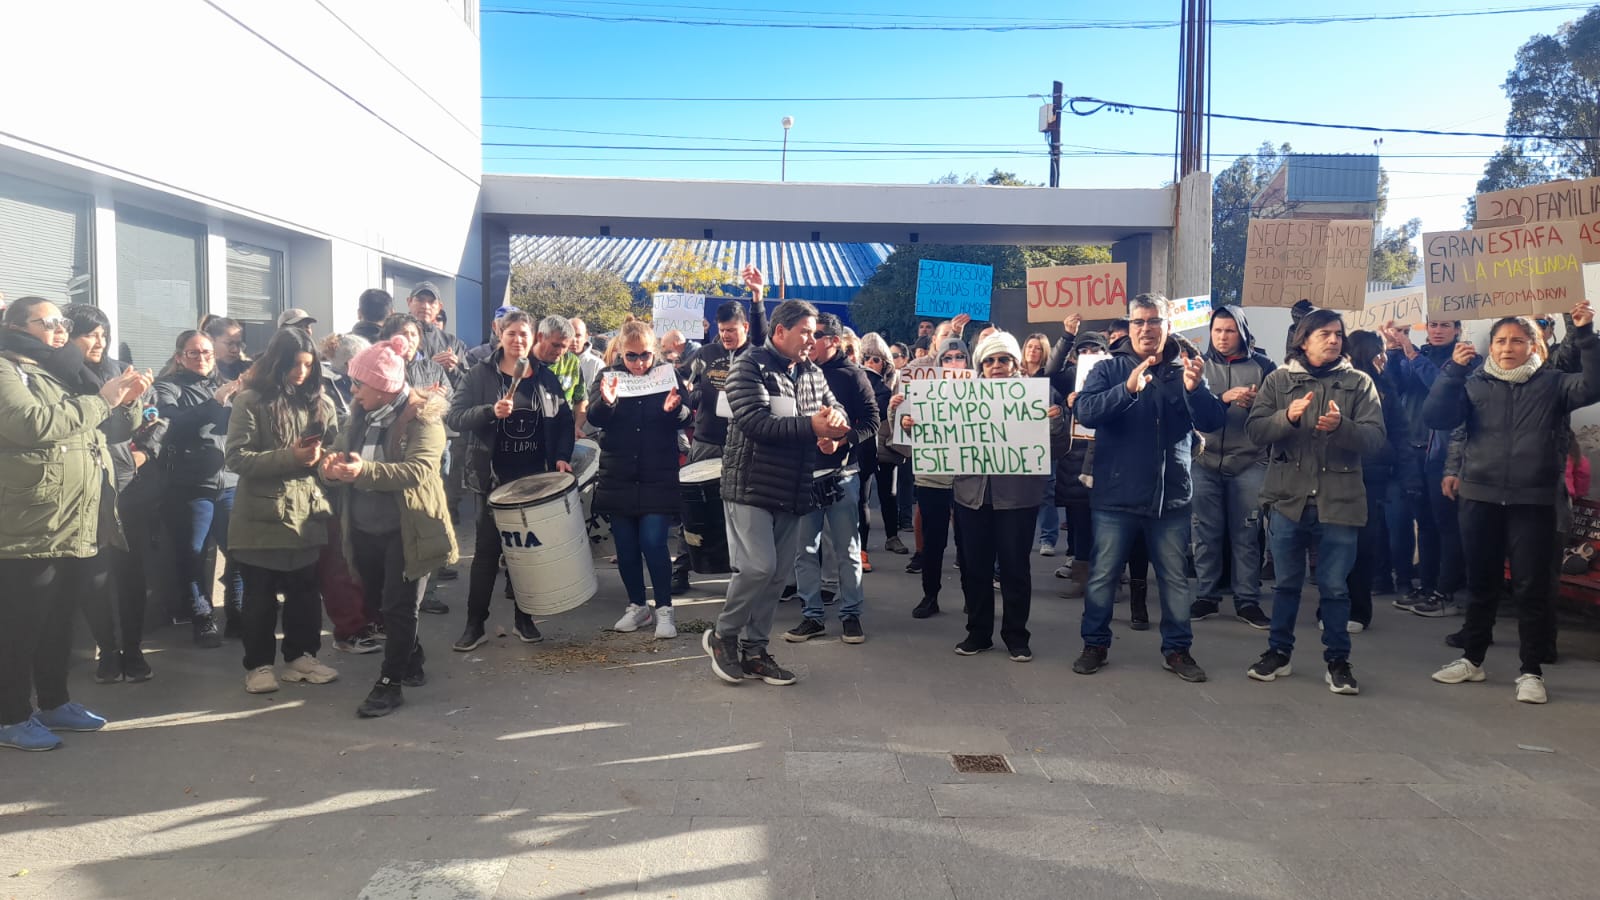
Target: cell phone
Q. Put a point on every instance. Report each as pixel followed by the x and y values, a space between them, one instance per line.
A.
pixel 312 435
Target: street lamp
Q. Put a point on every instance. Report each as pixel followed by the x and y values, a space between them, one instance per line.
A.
pixel 783 176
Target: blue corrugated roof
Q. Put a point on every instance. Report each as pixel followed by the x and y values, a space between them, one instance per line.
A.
pixel 816 270
pixel 1328 178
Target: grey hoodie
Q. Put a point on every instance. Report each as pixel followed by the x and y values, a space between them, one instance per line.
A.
pixel 1229 448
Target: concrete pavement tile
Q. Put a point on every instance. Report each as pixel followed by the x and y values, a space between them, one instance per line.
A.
pixel 744 838
pixel 1262 715
pixel 590 795
pixel 147 879
pixel 947 738
pixel 1330 801
pixel 596 836
pixel 1546 878
pixel 1153 802
pixel 1382 879
pixel 1165 714
pixel 743 879
pixel 293 878
pixel 1220 839
pixel 1515 801
pixel 1185 879
pixel 46 838
pixel 1551 767
pixel 1080 838
pixel 1064 740
pixel 996 876
pixel 545 877
pixel 1566 839
pixel 1118 768
pixel 436 879
pixel 755 797
pixel 870 838
pixel 841 766
pixel 1432 840
pixel 869 800
pixel 1344 768
pixel 937 768
pixel 853 879
pixel 1474 768
pixel 24 879
pixel 999 799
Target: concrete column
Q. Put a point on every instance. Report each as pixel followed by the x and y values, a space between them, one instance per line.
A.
pixel 1146 256
pixel 1190 265
pixel 496 267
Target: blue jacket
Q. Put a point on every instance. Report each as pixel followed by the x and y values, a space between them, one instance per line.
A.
pixel 1414 378
pixel 1140 436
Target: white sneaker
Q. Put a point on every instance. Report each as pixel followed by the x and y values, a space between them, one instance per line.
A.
pixel 1530 689
pixel 634 618
pixel 260 680
pixel 666 624
pixel 1459 671
pixel 306 668
pixel 1354 627
pixel 1047 549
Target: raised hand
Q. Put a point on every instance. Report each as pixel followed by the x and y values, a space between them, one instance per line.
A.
pixel 1194 371
pixel 1329 420
pixel 1297 408
pixel 961 322
pixel 1465 353
pixel 753 279
pixel 1140 376
pixel 608 389
pixel 672 402
pixel 1582 314
pixel 1071 324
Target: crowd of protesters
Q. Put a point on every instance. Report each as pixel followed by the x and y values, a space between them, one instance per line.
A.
pixel 329 474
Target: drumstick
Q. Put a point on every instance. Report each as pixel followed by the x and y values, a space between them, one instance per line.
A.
pixel 520 373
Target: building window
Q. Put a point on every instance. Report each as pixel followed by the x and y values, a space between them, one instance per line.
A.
pixel 44 242
pixel 160 283
pixel 255 283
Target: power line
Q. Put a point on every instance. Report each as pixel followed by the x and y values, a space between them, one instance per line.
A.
pixel 959 98
pixel 1116 106
pixel 1002 26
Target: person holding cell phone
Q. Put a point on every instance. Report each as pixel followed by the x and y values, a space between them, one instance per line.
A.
pixel 281 422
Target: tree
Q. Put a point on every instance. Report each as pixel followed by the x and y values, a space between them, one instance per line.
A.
pixel 887 302
pixel 1231 194
pixel 566 288
pixel 1394 259
pixel 685 267
pixel 997 177
pixel 1511 167
pixel 1554 90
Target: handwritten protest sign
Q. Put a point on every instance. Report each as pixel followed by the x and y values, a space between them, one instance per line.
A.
pixel 948 289
pixel 658 380
pixel 1549 202
pixel 1407 307
pixel 1324 261
pixel 979 426
pixel 1191 312
pixel 684 312
pixel 924 372
pixel 1487 273
pixel 1086 364
pixel 1094 291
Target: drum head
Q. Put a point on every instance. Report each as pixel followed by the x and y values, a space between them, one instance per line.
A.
pixel 699 472
pixel 585 460
pixel 532 490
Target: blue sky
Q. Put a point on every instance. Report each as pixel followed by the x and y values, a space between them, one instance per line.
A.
pixel 1439 73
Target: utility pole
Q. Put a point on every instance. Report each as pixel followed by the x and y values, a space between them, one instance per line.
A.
pixel 1051 125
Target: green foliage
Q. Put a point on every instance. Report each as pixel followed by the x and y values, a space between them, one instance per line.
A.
pixel 1554 89
pixel 686 267
pixel 887 302
pixel 997 177
pixel 1511 167
pixel 1394 259
pixel 1231 193
pixel 561 287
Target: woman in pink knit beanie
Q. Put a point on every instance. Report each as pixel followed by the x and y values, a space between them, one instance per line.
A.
pixel 381 366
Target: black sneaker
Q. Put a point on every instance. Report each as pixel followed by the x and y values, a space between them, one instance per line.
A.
pixel 790 592
pixel 914 567
pixel 970 647
pixel 1411 599
pixel 724 653
pixel 1271 666
pixel 527 632
pixel 1253 616
pixel 434 606
pixel 471 639
pixel 1438 605
pixel 764 667
pixel 205 633
pixel 108 670
pixel 852 630
pixel 134 667
pixel 1183 665
pixel 415 676
pixel 1200 610
pixel 1090 661
pixel 1339 679
pixel 928 607
pixel 680 583
pixel 385 698
pixel 1457 639
pixel 894 545
pixel 448 573
pixel 1021 654
pixel 805 631
pixel 1139 623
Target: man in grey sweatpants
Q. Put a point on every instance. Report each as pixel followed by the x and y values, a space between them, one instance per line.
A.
pixel 784 418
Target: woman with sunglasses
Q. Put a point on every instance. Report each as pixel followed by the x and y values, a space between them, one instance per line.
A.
pixel 997 515
pixel 193 397
pixel 881 464
pixel 638 480
pixel 58 506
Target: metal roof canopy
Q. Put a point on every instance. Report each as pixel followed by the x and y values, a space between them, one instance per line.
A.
pixel 806 211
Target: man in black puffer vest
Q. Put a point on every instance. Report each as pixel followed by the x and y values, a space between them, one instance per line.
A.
pixel 784 416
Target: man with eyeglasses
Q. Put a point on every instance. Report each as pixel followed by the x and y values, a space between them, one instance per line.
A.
pixel 1145 403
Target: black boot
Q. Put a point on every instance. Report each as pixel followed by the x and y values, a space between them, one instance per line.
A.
pixel 928 607
pixel 385 698
pixel 1138 612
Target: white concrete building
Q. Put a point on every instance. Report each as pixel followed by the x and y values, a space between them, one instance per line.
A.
pixel 171 158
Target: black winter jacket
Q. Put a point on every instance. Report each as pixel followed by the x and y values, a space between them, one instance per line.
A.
pixel 435 341
pixel 472 414
pixel 639 451
pixel 849 383
pixel 197 431
pixel 706 372
pixel 1512 429
pixel 770 456
pixel 124 435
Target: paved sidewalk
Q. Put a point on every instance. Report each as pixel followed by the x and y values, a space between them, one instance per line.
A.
pixel 611 766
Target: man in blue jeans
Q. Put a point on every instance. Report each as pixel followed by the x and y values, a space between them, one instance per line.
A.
pixel 1317 416
pixel 1144 405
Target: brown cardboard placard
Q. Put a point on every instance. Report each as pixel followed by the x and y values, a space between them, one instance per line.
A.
pixel 1487 273
pixel 1321 260
pixel 1094 291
